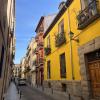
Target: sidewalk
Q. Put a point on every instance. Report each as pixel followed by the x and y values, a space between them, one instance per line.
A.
pixel 12 93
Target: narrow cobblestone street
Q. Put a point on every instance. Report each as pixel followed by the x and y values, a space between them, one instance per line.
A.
pixel 28 93
pixel 33 94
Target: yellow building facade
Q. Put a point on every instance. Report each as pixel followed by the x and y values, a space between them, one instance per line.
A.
pixel 74 33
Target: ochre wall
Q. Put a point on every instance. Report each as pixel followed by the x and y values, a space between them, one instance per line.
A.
pixel 87 34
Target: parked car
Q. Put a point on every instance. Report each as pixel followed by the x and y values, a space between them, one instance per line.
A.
pixel 22 82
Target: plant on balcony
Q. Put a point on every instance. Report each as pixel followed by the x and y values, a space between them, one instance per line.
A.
pixel 60 39
pixel 88 15
pixel 47 50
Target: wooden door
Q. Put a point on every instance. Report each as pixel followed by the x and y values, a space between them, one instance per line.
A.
pixel 94 71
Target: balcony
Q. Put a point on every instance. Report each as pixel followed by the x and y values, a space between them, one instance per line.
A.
pixel 60 39
pixel 36 51
pixel 35 63
pixel 41 61
pixel 47 50
pixel 88 15
pixel 27 69
pixel 40 45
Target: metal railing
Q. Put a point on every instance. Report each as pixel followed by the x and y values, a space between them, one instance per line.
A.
pixel 60 39
pixel 41 61
pixel 88 15
pixel 47 50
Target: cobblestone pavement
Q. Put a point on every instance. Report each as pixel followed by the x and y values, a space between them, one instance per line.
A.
pixel 33 94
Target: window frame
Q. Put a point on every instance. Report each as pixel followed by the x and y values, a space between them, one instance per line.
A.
pixel 48 69
pixel 48 41
pixel 61 23
pixel 63 65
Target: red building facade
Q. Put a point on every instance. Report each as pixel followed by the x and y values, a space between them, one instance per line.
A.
pixel 41 28
pixel 39 52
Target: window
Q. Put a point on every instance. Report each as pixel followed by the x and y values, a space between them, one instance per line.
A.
pixel 48 70
pixel 1 60
pixel 48 41
pixel 61 27
pixel 85 3
pixel 62 66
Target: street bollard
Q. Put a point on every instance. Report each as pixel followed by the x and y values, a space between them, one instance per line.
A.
pixel 18 89
pixel 69 97
pixel 52 90
pixel 42 88
pixel 20 94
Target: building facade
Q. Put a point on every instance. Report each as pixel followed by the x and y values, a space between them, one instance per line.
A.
pixel 16 71
pixel 30 63
pixel 22 68
pixel 7 43
pixel 39 52
pixel 33 63
pixel 42 26
pixel 72 50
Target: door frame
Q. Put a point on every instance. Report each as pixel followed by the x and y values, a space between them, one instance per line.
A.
pixel 88 47
pixel 88 70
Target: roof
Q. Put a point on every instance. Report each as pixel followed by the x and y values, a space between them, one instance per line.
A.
pixel 58 16
pixel 41 19
pixel 48 20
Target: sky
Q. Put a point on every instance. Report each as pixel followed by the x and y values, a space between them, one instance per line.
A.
pixel 28 13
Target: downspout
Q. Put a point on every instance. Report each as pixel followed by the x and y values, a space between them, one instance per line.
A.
pixel 71 54
pixel 71 48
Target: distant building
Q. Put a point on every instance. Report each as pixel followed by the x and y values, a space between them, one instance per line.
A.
pixel 42 26
pixel 33 62
pixel 30 63
pixel 16 70
pixel 22 68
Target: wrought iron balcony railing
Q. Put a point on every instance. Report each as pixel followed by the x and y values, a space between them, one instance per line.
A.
pixel 41 61
pixel 35 50
pixel 27 69
pixel 88 15
pixel 40 45
pixel 60 39
pixel 35 63
pixel 47 50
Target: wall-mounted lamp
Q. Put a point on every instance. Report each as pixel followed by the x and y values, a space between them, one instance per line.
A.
pixel 71 36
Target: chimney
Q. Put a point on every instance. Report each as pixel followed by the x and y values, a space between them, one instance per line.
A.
pixel 61 5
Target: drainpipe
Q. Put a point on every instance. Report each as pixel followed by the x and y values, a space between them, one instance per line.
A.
pixel 71 49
